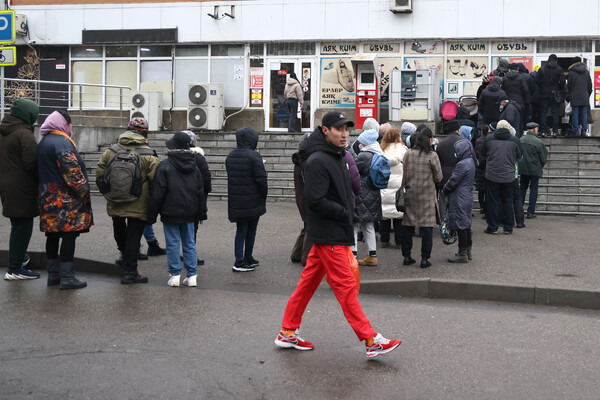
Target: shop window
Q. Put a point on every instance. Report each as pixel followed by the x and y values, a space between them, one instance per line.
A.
pixel 290 48
pixel 121 51
pixel 155 51
pixel 86 72
pixel 564 46
pixel 188 71
pixel 155 76
pixel 227 50
pixel 120 73
pixel 86 51
pixel 191 51
pixel 229 72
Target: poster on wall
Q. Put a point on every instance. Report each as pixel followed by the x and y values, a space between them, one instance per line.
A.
pixel 466 67
pixel 256 77
pixel 337 83
pixel 423 47
pixel 527 61
pixel 435 63
pixel 597 88
pixel 386 66
pixel 256 97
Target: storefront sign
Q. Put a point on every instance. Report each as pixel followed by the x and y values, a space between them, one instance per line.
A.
pixel 282 72
pixel 256 77
pixel 464 47
pixel 339 48
pixel 503 47
pixel 381 47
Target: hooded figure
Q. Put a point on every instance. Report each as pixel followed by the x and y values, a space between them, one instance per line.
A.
pixel 294 96
pixel 511 112
pixel 488 102
pixel 579 84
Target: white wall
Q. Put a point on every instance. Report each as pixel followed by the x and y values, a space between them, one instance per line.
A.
pixel 287 20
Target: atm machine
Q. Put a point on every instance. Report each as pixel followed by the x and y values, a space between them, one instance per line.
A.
pixel 414 95
pixel 367 88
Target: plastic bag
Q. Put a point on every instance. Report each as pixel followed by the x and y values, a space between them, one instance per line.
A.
pixel 354 267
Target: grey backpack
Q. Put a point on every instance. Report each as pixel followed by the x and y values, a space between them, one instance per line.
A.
pixel 122 181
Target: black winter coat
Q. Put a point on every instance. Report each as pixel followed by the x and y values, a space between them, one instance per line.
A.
pixel 579 84
pixel 459 187
pixel 327 193
pixel 529 80
pixel 480 171
pixel 18 169
pixel 501 151
pixel 445 152
pixel 550 78
pixel 512 114
pixel 488 103
pixel 516 88
pixel 178 190
pixel 246 179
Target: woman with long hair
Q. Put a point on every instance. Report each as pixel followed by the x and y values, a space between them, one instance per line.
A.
pixel 422 170
pixel 394 150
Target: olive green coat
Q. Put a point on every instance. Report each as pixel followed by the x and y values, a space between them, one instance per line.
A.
pixel 139 208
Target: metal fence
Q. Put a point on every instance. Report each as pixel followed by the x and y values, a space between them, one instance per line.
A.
pixel 88 104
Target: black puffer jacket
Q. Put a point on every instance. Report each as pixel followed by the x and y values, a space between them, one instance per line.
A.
pixel 445 152
pixel 327 193
pixel 178 190
pixel 501 151
pixel 579 84
pixel 512 114
pixel 368 202
pixel 550 78
pixel 246 179
pixel 516 88
pixel 488 101
pixel 529 80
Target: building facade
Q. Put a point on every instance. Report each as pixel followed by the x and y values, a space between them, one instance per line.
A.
pixel 252 46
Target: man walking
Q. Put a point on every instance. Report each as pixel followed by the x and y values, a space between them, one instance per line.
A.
pixel 19 184
pixel 579 85
pixel 530 167
pixel 329 211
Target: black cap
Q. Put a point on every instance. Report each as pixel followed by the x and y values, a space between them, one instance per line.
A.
pixel 180 140
pixel 532 125
pixel 502 98
pixel 451 126
pixel 337 119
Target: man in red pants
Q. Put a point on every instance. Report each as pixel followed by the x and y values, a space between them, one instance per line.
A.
pixel 329 211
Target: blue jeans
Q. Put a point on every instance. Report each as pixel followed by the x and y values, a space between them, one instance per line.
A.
pixel 532 182
pixel 181 234
pixel 545 103
pixel 499 202
pixel 580 117
pixel 149 233
pixel 245 235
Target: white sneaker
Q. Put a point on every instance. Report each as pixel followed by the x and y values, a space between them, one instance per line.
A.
pixel 190 281
pixel 174 280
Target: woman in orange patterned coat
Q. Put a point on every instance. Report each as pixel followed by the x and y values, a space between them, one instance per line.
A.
pixel 64 195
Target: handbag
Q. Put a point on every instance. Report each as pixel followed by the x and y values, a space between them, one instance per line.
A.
pixel 401 199
pixel 557 95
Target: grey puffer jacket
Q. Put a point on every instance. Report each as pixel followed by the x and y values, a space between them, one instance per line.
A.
pixel 368 202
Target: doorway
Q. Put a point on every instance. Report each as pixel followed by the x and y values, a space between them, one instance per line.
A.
pixel 277 114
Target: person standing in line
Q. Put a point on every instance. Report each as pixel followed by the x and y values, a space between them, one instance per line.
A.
pixel 246 196
pixel 510 111
pixel 19 184
pixel 480 171
pixel 531 166
pixel 394 150
pixel 129 218
pixel 294 95
pixel 64 199
pixel 178 196
pixel 579 85
pixel 551 81
pixel 459 190
pixel 422 171
pixel 445 153
pixel 488 101
pixel 517 91
pixel 154 248
pixel 329 213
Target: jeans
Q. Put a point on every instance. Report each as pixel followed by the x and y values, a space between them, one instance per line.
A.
pixel 149 233
pixel 426 240
pixel 127 232
pixel 368 229
pixel 531 182
pixel 580 117
pixel 245 235
pixel 499 198
pixel 292 109
pixel 20 235
pixel 176 234
pixel 545 103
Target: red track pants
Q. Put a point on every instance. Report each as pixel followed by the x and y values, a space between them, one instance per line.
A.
pixel 333 261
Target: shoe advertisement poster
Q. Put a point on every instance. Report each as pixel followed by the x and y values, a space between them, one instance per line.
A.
pixel 337 83
pixel 424 47
pixel 466 67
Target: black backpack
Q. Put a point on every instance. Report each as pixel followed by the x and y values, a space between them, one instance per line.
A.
pixel 122 181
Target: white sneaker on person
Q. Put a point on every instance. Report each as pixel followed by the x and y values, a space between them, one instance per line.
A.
pixel 190 281
pixel 174 280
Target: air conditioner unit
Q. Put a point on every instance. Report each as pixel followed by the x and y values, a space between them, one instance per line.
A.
pixel 147 105
pixel 401 6
pixel 21 24
pixel 205 106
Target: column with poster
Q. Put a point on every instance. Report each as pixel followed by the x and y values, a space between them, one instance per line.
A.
pixel 256 87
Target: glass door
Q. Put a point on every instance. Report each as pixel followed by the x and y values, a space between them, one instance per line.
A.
pixel 278 72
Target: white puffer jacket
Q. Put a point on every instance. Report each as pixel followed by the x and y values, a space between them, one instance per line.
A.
pixel 395 154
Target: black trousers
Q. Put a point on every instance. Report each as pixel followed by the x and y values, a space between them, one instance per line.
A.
pixel 292 109
pixel 426 240
pixel 465 238
pixel 385 227
pixel 20 235
pixel 67 246
pixel 128 232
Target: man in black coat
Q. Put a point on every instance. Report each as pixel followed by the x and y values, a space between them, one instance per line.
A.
pixel 488 102
pixel 517 91
pixel 579 84
pixel 551 80
pixel 445 152
pixel 531 86
pixel 329 212
pixel 510 111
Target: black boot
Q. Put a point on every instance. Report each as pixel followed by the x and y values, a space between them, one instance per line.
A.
pixel 133 278
pixel 469 255
pixel 155 250
pixel 425 263
pixel 53 268
pixel 408 260
pixel 67 277
pixel 460 257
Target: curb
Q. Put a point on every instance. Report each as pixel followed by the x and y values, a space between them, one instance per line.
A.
pixel 424 287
